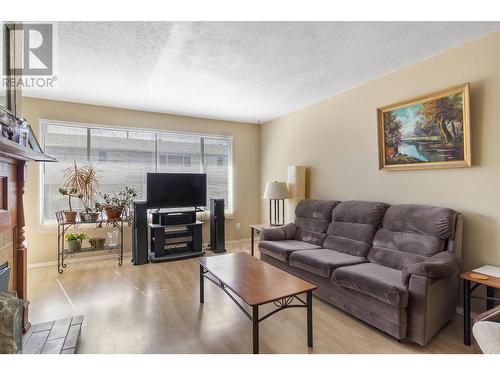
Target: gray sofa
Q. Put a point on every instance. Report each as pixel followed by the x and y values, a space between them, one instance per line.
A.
pixel 395 267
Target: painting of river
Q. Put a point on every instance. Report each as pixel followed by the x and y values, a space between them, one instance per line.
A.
pixel 426 132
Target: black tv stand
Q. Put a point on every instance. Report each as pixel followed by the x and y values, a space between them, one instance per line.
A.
pixel 175 235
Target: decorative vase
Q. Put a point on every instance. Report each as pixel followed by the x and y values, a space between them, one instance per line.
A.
pixel 70 216
pixel 113 238
pixel 74 245
pixel 97 243
pixel 88 217
pixel 113 213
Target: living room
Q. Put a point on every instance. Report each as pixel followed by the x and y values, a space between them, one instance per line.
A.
pixel 241 186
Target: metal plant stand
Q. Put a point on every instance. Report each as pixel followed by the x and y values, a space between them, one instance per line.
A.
pixel 63 227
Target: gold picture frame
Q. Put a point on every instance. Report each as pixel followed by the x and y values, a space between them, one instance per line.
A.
pixel 427 132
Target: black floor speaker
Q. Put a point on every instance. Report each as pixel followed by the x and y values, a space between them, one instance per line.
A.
pixel 217 235
pixel 140 234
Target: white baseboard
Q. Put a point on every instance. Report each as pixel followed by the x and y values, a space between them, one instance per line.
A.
pixel 239 240
pixel 78 260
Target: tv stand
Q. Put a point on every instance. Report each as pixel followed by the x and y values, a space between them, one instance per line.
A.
pixel 174 241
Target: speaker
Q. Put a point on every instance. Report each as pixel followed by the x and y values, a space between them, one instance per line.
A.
pixel 140 234
pixel 217 235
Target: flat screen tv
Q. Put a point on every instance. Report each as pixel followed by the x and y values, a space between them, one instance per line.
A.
pixel 169 190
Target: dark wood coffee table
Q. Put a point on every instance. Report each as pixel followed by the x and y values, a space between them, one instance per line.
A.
pixel 256 283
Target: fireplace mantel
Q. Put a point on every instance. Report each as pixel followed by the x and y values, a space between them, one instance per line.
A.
pixel 13 162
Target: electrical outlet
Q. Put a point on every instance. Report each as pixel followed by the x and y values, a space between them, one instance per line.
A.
pixel 238 226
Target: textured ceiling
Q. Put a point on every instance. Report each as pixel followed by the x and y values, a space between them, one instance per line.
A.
pixel 241 71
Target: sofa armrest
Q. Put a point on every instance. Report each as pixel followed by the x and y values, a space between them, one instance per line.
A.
pixel 492 315
pixel 286 232
pixel 438 266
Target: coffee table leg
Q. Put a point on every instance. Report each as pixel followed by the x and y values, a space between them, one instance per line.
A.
pixel 309 319
pixel 255 323
pixel 202 285
pixel 252 234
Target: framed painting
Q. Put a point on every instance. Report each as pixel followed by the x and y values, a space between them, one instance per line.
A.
pixel 428 132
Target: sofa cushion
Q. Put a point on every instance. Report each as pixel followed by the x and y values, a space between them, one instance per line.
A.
pixel 311 237
pixel 317 209
pixel 418 244
pixel 411 234
pixel 314 215
pixel 363 212
pixel 322 261
pixel 382 283
pixel 312 218
pixel 427 220
pixel 347 246
pixel 282 249
pixel 393 258
pixel 353 226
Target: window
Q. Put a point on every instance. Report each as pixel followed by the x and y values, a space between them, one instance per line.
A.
pixel 218 175
pixel 124 156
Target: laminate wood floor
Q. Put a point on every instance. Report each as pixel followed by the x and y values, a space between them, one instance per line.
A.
pixel 155 308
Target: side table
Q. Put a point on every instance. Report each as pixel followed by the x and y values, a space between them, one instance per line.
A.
pixel 471 281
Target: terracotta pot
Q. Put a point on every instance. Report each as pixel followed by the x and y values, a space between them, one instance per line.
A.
pixel 112 213
pixel 70 216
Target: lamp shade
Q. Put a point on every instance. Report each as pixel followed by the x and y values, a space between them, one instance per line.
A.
pixel 276 190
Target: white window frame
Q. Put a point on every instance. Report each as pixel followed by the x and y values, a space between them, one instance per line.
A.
pixel 43 123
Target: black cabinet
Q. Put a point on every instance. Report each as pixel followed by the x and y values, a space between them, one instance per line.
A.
pixel 172 242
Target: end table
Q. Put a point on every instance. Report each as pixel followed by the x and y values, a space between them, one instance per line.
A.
pixel 471 281
pixel 255 229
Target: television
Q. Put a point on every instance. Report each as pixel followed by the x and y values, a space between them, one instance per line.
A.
pixel 169 190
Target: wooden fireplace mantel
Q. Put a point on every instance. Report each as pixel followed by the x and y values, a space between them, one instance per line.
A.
pixel 13 172
pixel 14 158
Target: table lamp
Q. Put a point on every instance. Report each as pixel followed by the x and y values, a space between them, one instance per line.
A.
pixel 276 192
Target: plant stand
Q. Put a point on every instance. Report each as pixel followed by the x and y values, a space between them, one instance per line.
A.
pixel 63 253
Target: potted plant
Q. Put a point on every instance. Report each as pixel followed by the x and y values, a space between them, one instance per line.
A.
pixel 74 241
pixel 118 206
pixel 97 243
pixel 69 216
pixel 85 181
pixel 111 206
